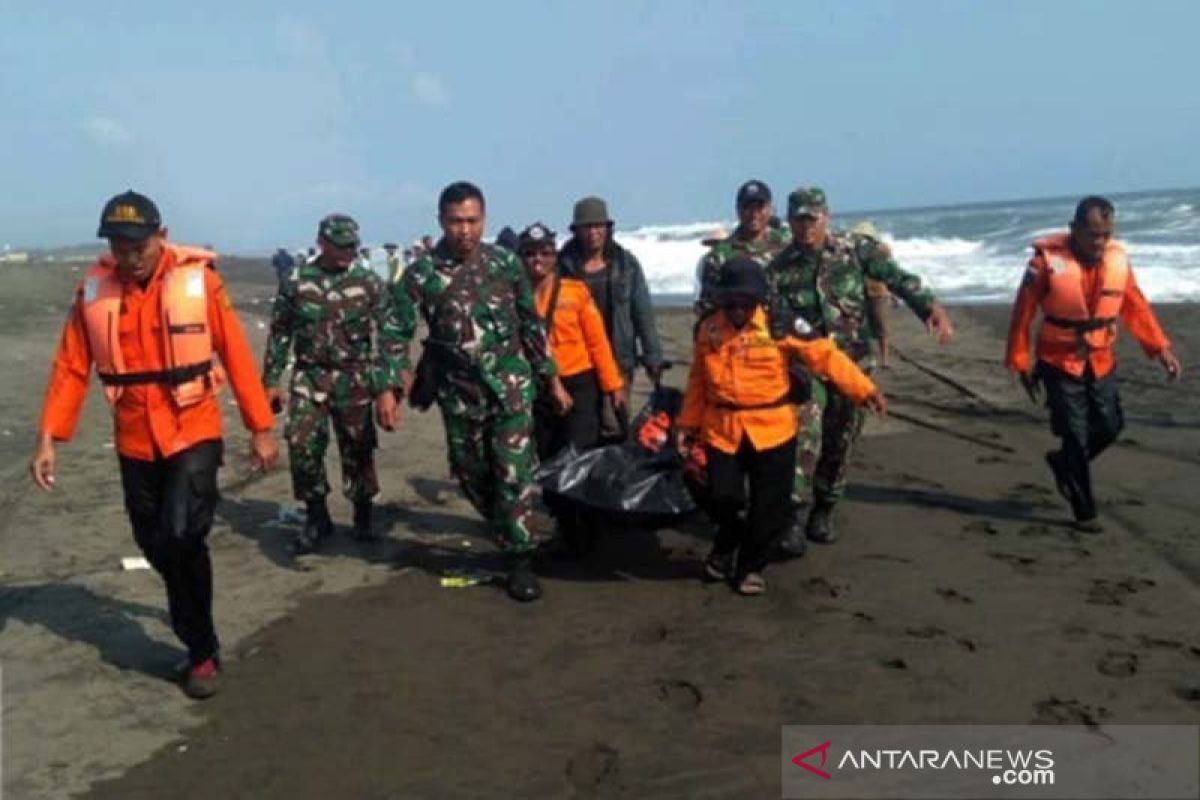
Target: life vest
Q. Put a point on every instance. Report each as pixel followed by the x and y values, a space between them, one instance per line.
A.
pixel 187 340
pixel 1070 332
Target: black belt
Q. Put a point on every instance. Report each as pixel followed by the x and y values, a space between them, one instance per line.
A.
pixel 171 377
pixel 1082 325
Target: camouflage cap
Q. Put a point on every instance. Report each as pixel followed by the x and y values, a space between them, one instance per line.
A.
pixel 129 215
pixel 807 201
pixel 340 230
pixel 866 228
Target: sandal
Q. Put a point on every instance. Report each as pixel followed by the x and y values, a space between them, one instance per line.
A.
pixel 752 584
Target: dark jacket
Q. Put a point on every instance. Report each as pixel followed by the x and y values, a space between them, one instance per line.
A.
pixel 629 321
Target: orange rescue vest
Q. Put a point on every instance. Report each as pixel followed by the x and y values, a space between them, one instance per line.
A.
pixel 1070 332
pixel 187 340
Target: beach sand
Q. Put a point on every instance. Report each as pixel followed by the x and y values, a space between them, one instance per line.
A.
pixel 956 594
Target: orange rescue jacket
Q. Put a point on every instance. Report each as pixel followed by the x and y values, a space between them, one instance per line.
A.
pixel 738 384
pixel 577 338
pixel 153 418
pixel 1080 308
pixel 187 341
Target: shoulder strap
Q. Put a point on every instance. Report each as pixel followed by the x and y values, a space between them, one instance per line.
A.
pixel 553 299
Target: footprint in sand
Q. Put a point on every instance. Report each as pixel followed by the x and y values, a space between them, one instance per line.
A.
pixel 1054 711
pixel 650 634
pixel 1114 593
pixel 993 460
pixel 1153 643
pixel 862 616
pixel 966 644
pixel 678 694
pixel 926 632
pixel 594 771
pixel 895 663
pixel 1118 664
pixel 1189 693
pixel 981 526
pixel 825 587
pixel 1022 564
pixel 1037 530
pixel 954 595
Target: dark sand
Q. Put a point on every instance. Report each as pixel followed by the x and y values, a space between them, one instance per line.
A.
pixel 957 594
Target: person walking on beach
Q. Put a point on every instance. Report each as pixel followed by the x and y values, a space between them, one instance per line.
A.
pixel 486 350
pixel 150 315
pixel 282 262
pixel 819 282
pixel 1083 283
pixel 586 366
pixel 880 298
pixel 738 404
pixel 614 277
pixel 349 359
pixel 753 237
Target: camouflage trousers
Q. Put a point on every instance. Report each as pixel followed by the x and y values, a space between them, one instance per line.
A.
pixel 307 435
pixel 829 425
pixel 492 459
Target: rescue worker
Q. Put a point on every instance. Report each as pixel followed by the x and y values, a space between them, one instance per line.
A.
pixel 614 277
pixel 737 402
pixel 586 367
pixel 151 315
pixel 349 356
pixel 879 298
pixel 819 281
pixel 1083 284
pixel 486 348
pixel 753 237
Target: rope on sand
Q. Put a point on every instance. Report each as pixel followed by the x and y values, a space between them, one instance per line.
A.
pixel 966 437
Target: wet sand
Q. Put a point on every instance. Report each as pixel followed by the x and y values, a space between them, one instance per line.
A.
pixel 957 594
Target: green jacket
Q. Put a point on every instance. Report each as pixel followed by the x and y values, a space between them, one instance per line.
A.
pixel 827 288
pixel 337 321
pixel 483 328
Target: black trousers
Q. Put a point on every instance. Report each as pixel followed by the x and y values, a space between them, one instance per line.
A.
pixel 171 502
pixel 1086 414
pixel 768 475
pixel 580 426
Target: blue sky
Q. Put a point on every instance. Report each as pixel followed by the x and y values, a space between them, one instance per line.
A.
pixel 247 124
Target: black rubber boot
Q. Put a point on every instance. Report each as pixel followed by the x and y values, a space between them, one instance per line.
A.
pixel 522 583
pixel 317 526
pixel 363 531
pixel 792 544
pixel 820 528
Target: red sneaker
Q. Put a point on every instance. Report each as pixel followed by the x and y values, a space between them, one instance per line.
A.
pixel 202 680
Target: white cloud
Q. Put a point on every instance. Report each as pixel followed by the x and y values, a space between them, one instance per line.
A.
pixel 430 90
pixel 106 131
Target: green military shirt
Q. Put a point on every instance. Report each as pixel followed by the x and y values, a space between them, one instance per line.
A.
pixel 483 328
pixel 340 322
pixel 708 271
pixel 827 287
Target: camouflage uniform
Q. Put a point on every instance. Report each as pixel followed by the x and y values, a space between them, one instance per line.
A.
pixel 329 316
pixel 708 272
pixel 827 289
pixel 489 344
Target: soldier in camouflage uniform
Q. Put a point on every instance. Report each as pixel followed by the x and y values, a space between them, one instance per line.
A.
pixel 818 283
pixel 753 237
pixel 485 351
pixel 349 353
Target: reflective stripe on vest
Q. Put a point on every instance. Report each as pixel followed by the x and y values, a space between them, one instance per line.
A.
pixel 1070 332
pixel 187 341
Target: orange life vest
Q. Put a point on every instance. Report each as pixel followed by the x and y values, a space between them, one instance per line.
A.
pixel 1070 331
pixel 187 340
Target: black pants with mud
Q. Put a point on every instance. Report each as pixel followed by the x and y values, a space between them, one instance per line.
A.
pixel 1086 414
pixel 171 502
pixel 768 473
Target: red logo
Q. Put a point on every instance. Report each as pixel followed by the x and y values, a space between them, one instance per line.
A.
pixel 823 749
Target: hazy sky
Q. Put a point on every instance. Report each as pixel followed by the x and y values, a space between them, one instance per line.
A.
pixel 247 124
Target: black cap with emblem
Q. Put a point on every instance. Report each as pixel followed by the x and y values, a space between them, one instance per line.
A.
pixel 129 215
